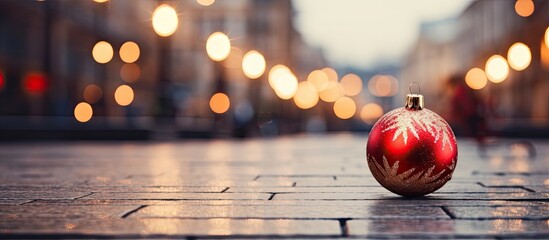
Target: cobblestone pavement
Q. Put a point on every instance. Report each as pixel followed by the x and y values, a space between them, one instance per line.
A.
pixel 310 186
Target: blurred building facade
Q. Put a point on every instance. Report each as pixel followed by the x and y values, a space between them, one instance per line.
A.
pixel 50 42
pixel 454 46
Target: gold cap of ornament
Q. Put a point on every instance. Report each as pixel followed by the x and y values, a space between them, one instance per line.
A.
pixel 414 101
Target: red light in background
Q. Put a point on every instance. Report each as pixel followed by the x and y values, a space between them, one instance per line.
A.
pixel 35 83
pixel 2 80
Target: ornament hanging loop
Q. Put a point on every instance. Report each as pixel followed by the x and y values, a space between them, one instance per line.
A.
pixel 414 101
pixel 418 88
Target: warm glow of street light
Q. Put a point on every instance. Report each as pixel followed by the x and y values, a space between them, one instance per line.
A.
pixel 124 95
pixel 220 103
pixel 319 79
pixel 519 56
pixel 476 79
pixel 524 8
pixel 283 81
pixel 102 52
pixel 92 93
pixel 344 108
pixel 253 64
pixel 383 85
pixel 331 73
pixel 130 72
pixel 129 52
pixel 218 46
pixel 205 2
pixel 83 112
pixel 332 92
pixel 306 96
pixel 547 37
pixel 351 84
pixel 165 20
pixel 100 1
pixel 496 69
pixel 371 112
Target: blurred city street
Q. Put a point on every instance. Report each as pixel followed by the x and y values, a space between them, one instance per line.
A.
pixel 305 186
pixel 197 119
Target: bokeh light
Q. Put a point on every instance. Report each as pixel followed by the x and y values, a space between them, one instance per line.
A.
pixel 35 83
pixel 351 84
pixel 220 103
pixel 344 108
pixel 371 112
pixel 331 73
pixel 130 72
pixel 83 112
pixel 332 92
pixel 92 93
pixel 519 56
pixel 253 64
pixel 283 81
pixel 547 38
pixel 306 96
pixel 218 46
pixel 383 85
pixel 165 20
pixel 129 52
pixel 476 79
pixel 2 80
pixel 205 2
pixel 100 1
pixel 319 79
pixel 102 52
pixel 124 95
pixel 496 69
pixel 524 8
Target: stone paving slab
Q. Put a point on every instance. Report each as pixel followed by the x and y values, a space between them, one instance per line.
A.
pixel 304 186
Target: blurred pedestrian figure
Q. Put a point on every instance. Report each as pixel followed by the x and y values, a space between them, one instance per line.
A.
pixel 467 110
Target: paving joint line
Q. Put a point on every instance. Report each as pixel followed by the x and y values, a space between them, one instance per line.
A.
pixel 27 202
pixel 294 183
pixel 343 226
pixel 125 215
pixel 447 212
pixel 272 196
pixel 83 196
pixel 224 190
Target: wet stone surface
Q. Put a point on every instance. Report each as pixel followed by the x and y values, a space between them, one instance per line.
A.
pixel 305 187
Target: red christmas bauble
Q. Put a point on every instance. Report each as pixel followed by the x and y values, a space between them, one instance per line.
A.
pixel 412 151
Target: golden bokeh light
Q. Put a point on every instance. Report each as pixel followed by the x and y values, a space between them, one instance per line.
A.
pixel 253 64
pixel 496 69
pixel 100 1
pixel 319 79
pixel 476 79
pixel 130 72
pixel 383 85
pixel 344 108
pixel 332 92
pixel 283 81
pixel 519 56
pixel 220 103
pixel 547 38
pixel 205 2
pixel 165 20
pixel 218 46
pixel 124 95
pixel 92 93
pixel 83 112
pixel 129 52
pixel 351 84
pixel 371 112
pixel 524 8
pixel 102 52
pixel 306 96
pixel 331 73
